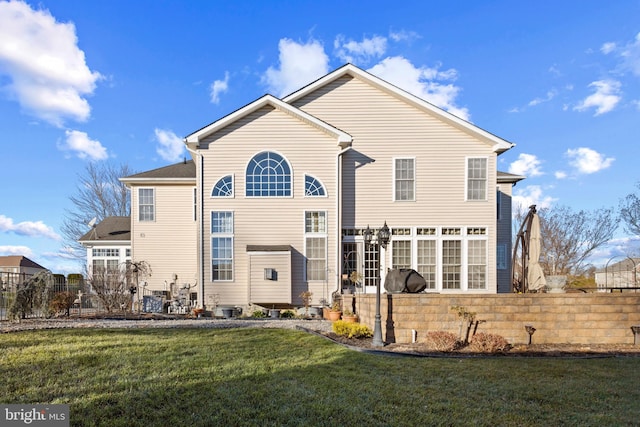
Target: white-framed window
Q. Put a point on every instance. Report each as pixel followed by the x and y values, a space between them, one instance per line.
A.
pixel 268 175
pixel 401 254
pixel 427 261
pixel 313 187
pixel 146 204
pixel 404 179
pixel 477 178
pixel 498 204
pixel 315 230
pixel 476 264
pixel 224 187
pixel 221 246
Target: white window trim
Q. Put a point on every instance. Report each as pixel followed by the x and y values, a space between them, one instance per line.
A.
pixel 393 178
pixel 439 237
pixel 324 235
pixel 233 187
pixel 213 235
pixel 466 179
pixel 292 172
pixel 155 213
pixel 326 192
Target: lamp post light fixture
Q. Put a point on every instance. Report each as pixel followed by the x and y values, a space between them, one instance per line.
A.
pixel 384 237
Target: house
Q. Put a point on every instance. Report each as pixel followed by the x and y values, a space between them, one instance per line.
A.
pixel 278 194
pixel 108 244
pixel 618 275
pixel 16 269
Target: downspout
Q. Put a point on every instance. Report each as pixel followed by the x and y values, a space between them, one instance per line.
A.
pixel 338 233
pixel 200 219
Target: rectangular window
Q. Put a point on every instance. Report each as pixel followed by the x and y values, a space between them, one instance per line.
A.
pixel 221 245
pixel 315 222
pixel 404 180
pixel 477 264
pixel 146 204
pixel 315 228
pixel 451 264
pixel 477 178
pixel 316 258
pixel 401 257
pixel 501 256
pixel 427 258
pixel 103 252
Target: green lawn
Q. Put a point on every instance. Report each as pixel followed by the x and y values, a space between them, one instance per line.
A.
pixel 268 377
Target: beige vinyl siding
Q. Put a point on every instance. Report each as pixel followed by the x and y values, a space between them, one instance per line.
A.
pixel 270 291
pixel 384 127
pixel 169 243
pixel 274 220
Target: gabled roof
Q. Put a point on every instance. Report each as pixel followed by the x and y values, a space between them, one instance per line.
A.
pixel 343 138
pixel 18 261
pixel 499 145
pixel 111 229
pixel 509 178
pixel 183 171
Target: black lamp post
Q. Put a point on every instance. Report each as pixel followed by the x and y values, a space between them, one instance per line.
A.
pixel 384 237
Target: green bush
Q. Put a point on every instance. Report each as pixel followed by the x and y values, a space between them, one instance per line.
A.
pixel 351 330
pixel 259 314
pixel 288 314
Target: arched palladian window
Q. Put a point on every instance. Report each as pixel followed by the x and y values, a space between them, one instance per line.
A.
pixel 268 175
pixel 313 187
pixel 223 188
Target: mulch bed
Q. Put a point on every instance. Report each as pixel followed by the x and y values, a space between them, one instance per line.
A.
pixel 523 350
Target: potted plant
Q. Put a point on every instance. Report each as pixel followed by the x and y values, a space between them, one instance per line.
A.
pixel 349 316
pixel 335 311
pixel 306 300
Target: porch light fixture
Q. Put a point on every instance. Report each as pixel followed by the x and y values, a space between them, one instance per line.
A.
pixel 384 237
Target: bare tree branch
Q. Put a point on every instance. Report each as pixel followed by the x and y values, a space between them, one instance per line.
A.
pixel 99 194
pixel 630 212
pixel 568 237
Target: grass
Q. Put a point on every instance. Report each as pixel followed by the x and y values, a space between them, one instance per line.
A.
pixel 268 377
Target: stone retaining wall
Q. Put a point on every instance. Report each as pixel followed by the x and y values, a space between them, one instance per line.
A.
pixel 571 318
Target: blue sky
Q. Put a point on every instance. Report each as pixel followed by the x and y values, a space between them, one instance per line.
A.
pixel 125 81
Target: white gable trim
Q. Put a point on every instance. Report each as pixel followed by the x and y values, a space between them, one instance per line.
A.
pixel 343 138
pixel 499 145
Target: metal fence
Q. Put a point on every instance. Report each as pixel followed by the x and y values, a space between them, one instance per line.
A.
pixel 84 302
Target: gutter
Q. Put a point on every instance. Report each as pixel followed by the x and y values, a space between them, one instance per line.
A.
pixel 200 220
pixel 338 233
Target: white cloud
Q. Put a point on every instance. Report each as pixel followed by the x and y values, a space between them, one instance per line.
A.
pixel 423 82
pixel 27 228
pixel 219 87
pixel 359 52
pixel 560 174
pixel 550 95
pixel 403 35
pixel 530 195
pixel 628 54
pixel 607 48
pixel 587 161
pixel 47 71
pixel 16 250
pixel 631 55
pixel 605 98
pixel 171 146
pixel 527 165
pixel 83 146
pixel 300 64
